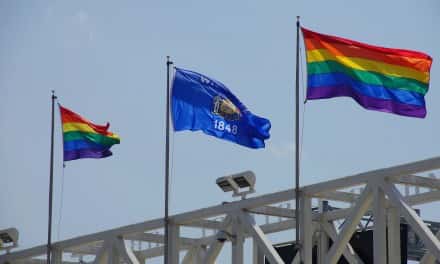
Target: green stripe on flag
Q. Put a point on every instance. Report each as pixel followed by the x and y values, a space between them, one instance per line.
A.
pixel 367 77
pixel 96 138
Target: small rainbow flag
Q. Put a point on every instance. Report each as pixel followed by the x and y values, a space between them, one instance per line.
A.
pixel 378 78
pixel 83 139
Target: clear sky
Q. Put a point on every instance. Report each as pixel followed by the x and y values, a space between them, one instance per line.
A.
pixel 106 61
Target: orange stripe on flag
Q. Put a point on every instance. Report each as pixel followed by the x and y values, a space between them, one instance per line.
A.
pixel 419 64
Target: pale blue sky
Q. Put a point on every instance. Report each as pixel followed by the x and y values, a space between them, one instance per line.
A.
pixel 106 61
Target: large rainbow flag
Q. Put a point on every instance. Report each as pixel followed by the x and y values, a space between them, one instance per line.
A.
pixel 83 139
pixel 378 78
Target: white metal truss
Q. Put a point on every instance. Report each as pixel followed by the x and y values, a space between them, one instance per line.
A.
pixel 235 222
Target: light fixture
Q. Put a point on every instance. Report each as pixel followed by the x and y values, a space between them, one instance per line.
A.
pixel 8 238
pixel 237 182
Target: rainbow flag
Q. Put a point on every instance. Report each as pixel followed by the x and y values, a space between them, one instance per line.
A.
pixel 378 78
pixel 83 139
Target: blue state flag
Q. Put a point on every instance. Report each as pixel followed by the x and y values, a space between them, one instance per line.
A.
pixel 202 103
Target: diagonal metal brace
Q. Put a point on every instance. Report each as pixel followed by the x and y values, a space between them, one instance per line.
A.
pixel 258 235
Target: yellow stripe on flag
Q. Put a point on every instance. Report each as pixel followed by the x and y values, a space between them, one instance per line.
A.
pixel 72 126
pixel 319 55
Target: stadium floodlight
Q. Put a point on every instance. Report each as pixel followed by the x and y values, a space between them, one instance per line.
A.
pixel 8 238
pixel 237 182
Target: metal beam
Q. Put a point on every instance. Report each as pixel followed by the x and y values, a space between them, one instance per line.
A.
pixel 263 243
pixel 85 249
pixel 248 203
pixel 428 258
pixel 174 243
pixel 380 224
pixel 159 238
pixel 201 253
pixel 39 250
pixel 113 255
pixel 158 251
pixel 278 226
pixel 274 211
pixel 296 259
pixel 205 223
pixel 216 245
pixel 257 256
pixel 213 251
pixel 417 224
pixel 189 256
pixel 338 196
pixel 323 246
pixel 237 243
pixel 306 233
pixel 57 255
pixel 121 231
pixel 420 181
pixel 349 254
pixel 102 254
pixel 415 199
pixel 421 198
pixel 350 225
pixel 358 179
pixel 41 261
pixel 151 252
pixel 393 230
pixel 125 252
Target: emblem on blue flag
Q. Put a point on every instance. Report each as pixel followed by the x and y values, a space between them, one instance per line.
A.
pixel 202 103
pixel 226 109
